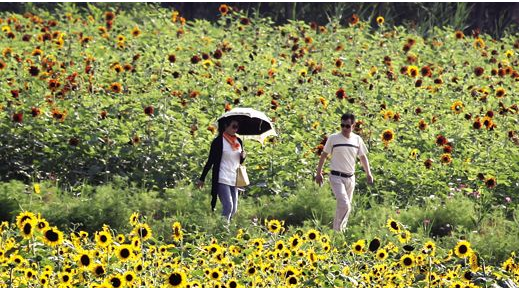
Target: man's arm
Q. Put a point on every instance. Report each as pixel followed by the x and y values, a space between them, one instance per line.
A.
pixel 319 173
pixel 365 164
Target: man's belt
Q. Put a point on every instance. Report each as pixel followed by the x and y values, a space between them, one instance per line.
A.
pixel 337 173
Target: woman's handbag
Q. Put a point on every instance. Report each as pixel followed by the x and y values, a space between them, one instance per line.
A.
pixel 242 179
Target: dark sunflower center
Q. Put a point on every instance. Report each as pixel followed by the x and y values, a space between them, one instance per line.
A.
pixel 408 261
pixel 463 249
pixel 125 253
pixel 292 280
pixel 51 236
pixel 27 228
pixel 175 279
pixel 100 270
pixel 116 282
pixel 85 260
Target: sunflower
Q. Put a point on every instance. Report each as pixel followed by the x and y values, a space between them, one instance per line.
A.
pixel 138 268
pixel 414 154
pixel 142 230
pixel 479 71
pixel 224 9
pixel 404 236
pixel 459 34
pixel 85 260
pixel 37 52
pixel 340 93
pixel 457 107
pixel 18 117
pixel 2 64
pixel 129 277
pixel 292 281
pixel 422 125
pixel 429 247
pixel 388 114
pixel 407 261
pixel 441 140
pixel 215 274
pixel 354 19
pixel 393 225
pixel 412 71
pixel 231 283
pixel 477 124
pixel 387 136
pixel 358 247
pixel 149 110
pixel 124 252
pixel 65 278
pixel 117 68
pixel 134 218
pixel 491 182
pixel 487 121
pixel 462 249
pixel 23 217
pixel 312 235
pixel 41 224
pixel 34 71
pixel 116 87
pixel 136 31
pixel 178 234
pixel 479 43
pixel 446 158
pixel 381 254
pixel 52 236
pixel 474 264
pixel 380 20
pixel 500 92
pixel 275 226
pixel 103 238
pixel 295 242
pixel 109 16
pixel 120 238
pixel 115 281
pixel 28 229
pixel 98 270
pixel 54 84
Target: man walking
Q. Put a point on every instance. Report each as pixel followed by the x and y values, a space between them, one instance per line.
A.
pixel 344 148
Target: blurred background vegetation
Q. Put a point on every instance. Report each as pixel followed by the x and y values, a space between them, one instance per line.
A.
pixel 491 18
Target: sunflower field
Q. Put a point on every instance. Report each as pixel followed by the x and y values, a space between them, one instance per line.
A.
pixel 34 254
pixel 91 98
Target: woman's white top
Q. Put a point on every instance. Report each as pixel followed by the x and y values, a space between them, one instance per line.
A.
pixel 229 164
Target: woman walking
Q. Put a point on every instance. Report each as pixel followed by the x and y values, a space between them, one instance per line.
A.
pixel 225 155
